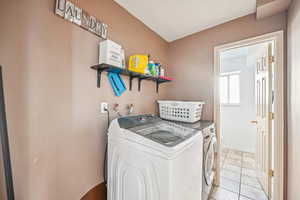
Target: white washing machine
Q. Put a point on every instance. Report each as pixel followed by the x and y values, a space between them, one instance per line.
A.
pixel 153 159
pixel 209 159
pixel 209 153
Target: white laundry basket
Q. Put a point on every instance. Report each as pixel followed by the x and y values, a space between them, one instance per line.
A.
pixel 184 111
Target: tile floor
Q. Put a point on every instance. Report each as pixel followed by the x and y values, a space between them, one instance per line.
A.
pixel 238 178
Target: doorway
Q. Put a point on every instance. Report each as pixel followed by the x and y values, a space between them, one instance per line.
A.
pixel 249 118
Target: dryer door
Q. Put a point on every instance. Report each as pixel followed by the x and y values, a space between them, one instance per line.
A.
pixel 209 161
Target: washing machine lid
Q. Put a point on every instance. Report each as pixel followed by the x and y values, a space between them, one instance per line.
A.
pixel 163 132
pixel 137 120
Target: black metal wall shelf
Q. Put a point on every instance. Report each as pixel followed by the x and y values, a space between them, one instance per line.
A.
pixel 132 75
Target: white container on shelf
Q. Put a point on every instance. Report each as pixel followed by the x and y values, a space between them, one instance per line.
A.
pixel 110 53
pixel 184 111
pixel 162 71
pixel 123 59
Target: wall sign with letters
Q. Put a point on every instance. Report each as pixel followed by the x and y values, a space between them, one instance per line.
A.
pixel 78 16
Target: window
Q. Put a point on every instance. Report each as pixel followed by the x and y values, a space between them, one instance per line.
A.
pixel 230 88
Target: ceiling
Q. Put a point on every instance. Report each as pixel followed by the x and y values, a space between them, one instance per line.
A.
pixel 174 19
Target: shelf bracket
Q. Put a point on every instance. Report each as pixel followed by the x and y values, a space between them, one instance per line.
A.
pixel 131 77
pixel 157 85
pixel 140 80
pixel 99 78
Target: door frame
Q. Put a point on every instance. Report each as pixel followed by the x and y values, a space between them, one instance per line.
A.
pixel 279 105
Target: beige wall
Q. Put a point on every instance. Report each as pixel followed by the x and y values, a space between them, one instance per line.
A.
pixel 293 101
pixel 191 58
pixel 56 131
pixel 267 8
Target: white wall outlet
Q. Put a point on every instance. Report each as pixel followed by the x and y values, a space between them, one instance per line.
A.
pixel 104 107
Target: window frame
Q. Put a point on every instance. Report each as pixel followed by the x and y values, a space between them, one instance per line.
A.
pixel 227 75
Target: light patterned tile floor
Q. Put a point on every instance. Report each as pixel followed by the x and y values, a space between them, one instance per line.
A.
pixel 238 178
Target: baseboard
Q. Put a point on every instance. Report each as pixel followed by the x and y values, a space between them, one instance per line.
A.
pixel 97 193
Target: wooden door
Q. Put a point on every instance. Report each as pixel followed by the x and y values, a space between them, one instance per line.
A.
pixel 264 116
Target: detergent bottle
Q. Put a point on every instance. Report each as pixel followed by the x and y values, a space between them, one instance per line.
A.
pixel 138 63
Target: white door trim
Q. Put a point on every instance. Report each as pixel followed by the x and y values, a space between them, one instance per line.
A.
pixel 279 115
